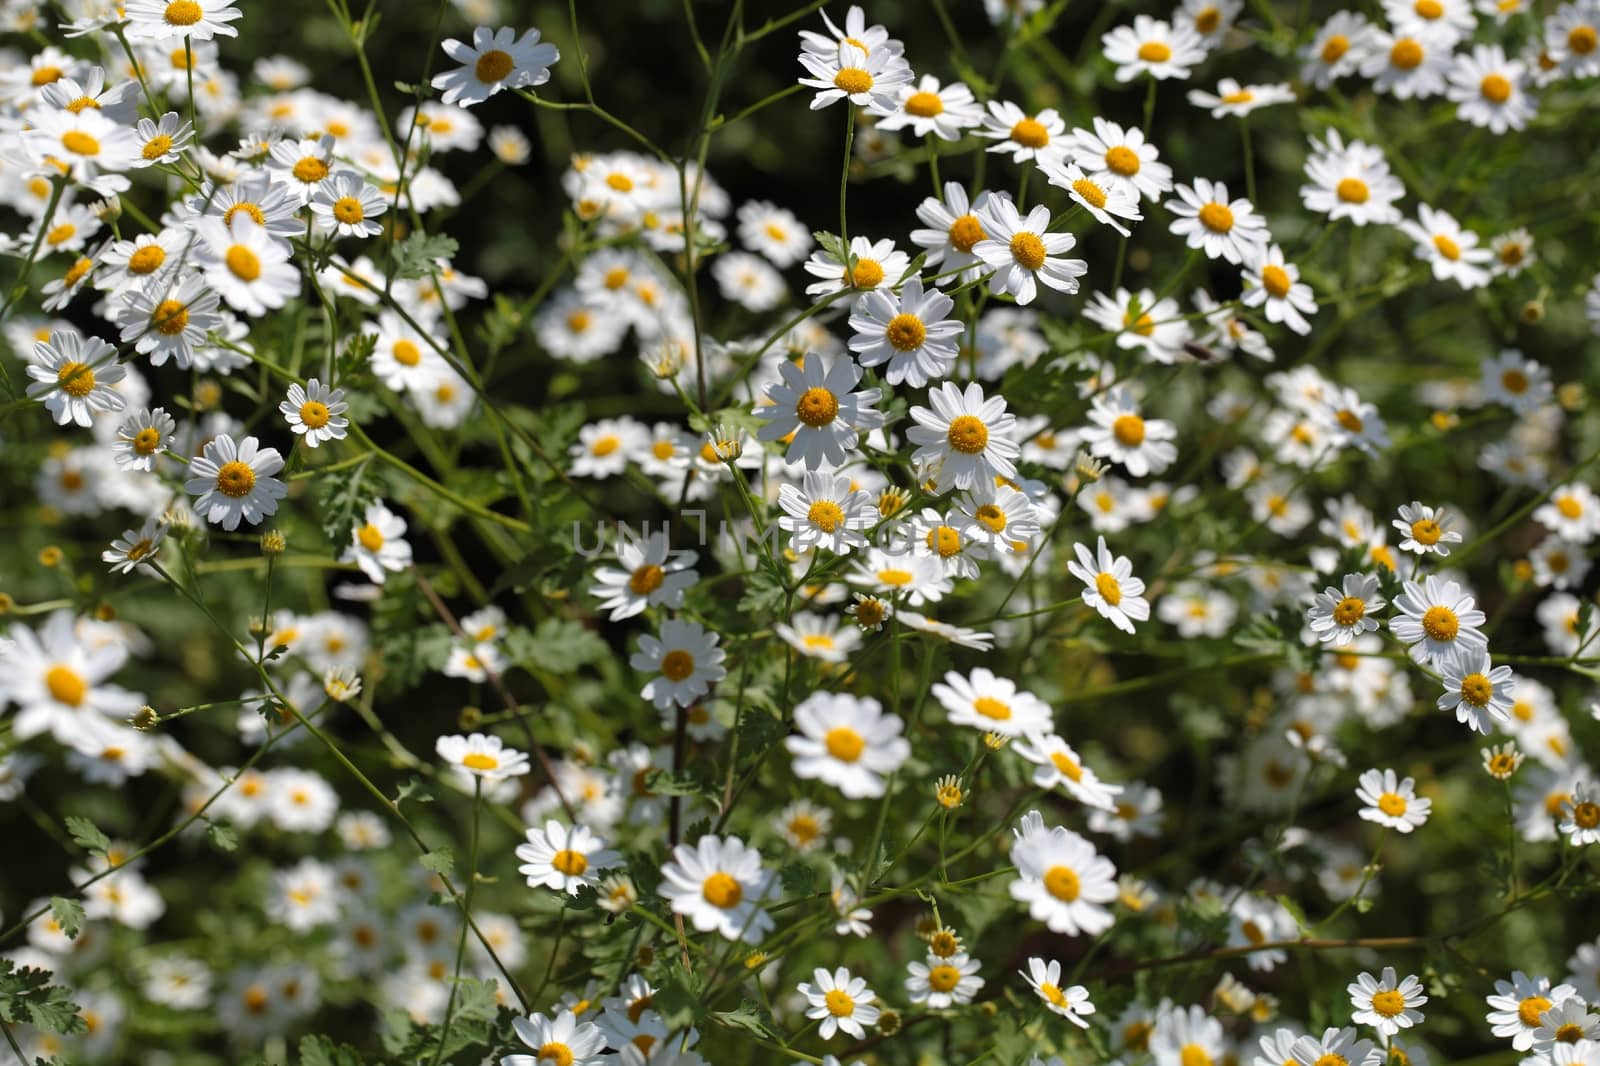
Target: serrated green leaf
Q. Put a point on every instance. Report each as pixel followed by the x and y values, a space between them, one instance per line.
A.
pixel 68 914
pixel 556 646
pixel 439 860
pixel 87 835
pixel 417 256
pixel 223 837
pixel 748 1016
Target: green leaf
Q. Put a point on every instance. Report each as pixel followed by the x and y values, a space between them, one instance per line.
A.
pixel 87 835
pixel 439 860
pixel 475 1000
pixel 223 837
pixel 320 1051
pixel 413 788
pixel 417 255
pixel 26 995
pixel 748 1016
pixel 557 646
pixel 665 783
pixel 342 498
pixel 798 879
pixel 830 243
pixel 68 914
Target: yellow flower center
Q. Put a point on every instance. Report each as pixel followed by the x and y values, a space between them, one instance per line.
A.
pixel 80 143
pixel 1388 1002
pixel 853 80
pixel 896 578
pixel 1586 815
pixel 1476 689
pixel 1348 611
pixel 990 707
pixel 839 1003
pixel 867 274
pixel 677 665
pixel 1155 52
pixel 569 862
pixel 1028 250
pixel 1426 531
pixel 147 260
pixel 46 75
pixel 348 210
pixel 314 414
pixel 620 182
pixel 243 263
pixel 1120 159
pixel 1447 247
pixel 992 517
pixel 1067 766
pixel 170 317
pixel 1091 194
pixel 1109 589
pixel 1582 39
pixel 1440 623
pixel 1275 280
pixel 1529 1010
pixel 721 890
pixel 1218 218
pixel 605 446
pixel 157 146
pixel 1030 133
pixel 1331 1059
pixel 66 685
pixel 310 170
pixel 968 435
pixel 1062 883
pixel 1128 430
pixel 559 1054
pixel 945 541
pixel 493 66
pixel 1406 54
pixel 1208 19
pixel 906 332
pixel 1496 88
pixel 370 537
pixel 1429 9
pixel 844 743
pixel 235 480
pixel 817 407
pixel 1392 803
pixel 147 440
pixel 646 579
pixel 1243 96
pixel 825 515
pixel 965 232
pixel 477 760
pixel 924 105
pixel 182 13
pixel 76 379
pixel 943 978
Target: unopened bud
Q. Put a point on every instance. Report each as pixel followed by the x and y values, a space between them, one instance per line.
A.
pixel 273 542
pixel 145 718
pixel 470 718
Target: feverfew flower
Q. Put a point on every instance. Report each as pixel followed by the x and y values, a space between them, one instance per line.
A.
pixel 1391 801
pixel 1490 90
pixel 1120 433
pixel 930 110
pixel 818 411
pixel 685 660
pixel 348 206
pixel 842 1001
pixel 316 412
pixel 1339 617
pixel 234 481
pixel 1519 1005
pixel 847 742
pixel 135 547
pixel 1231 98
pixel 74 375
pixel 377 543
pixel 245 264
pixel 1450 250
pixel 1424 529
pixel 1026 137
pixel 964 436
pixel 1388 1004
pixel 911 331
pixel 563 859
pixel 1480 696
pixel 1065 883
pixel 719 885
pixel 563 1039
pixel 941 982
pixel 199 20
pixel 1023 252
pixel 1111 589
pixel 1151 46
pixel 1070 1003
pixel 825 512
pixel 1059 765
pixel 860 77
pixel 493 61
pixel 1221 227
pixel 992 704
pixel 482 756
pixel 1438 620
pixel 1274 285
pixel 1580 820
pixel 651 574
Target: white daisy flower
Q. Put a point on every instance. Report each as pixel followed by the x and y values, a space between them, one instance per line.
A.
pixel 1059 765
pixel 1518 1005
pixel 911 332
pixel 494 60
pixel 1112 590
pixel 825 512
pixel 851 73
pixel 316 413
pixel 1425 529
pixel 244 264
pixel 1580 824
pixel 1222 228
pixel 376 543
pixel 1119 432
pixel 954 231
pixel 135 547
pixel 169 320
pixel 1339 617
pixel 1512 379
pixel 847 742
pixel 773 232
pixel 74 375
pixel 234 481
pixel 1036 137
pixel 719 885
pixel 1064 882
pixel 563 1039
pixel 1116 156
pixel 842 1001
pixel 1107 202
pixel 1231 98
pixel 685 659
pixel 1388 1004
pixel 1023 252
pixel 991 704
pixel 482 756
pixel 1391 801
pixel 1480 696
pixel 1410 63
pixel 1489 90
pixel 1070 1003
pixel 1151 46
pixel 199 20
pixel 347 206
pixel 820 409
pixel 876 266
pixel 1337 49
pixel 1274 285
pixel 967 436
pixel 1438 620
pixel 1572 512
pixel 930 110
pixel 941 982
pixel 651 574
pixel 563 859
pixel 911 578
